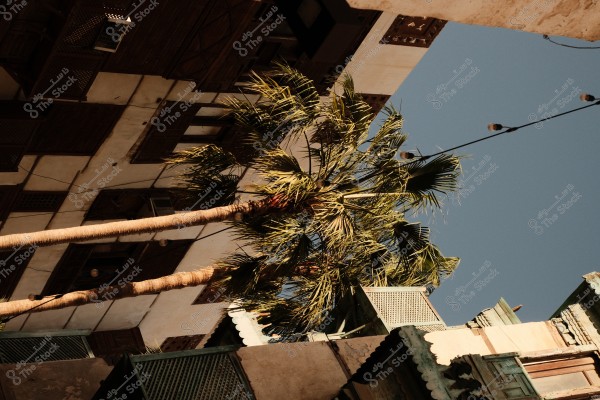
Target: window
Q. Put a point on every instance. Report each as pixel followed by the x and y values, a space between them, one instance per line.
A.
pixel 178 343
pixel 165 130
pixel 16 130
pixel 8 194
pixel 55 130
pixel 13 199
pixel 136 203
pixel 211 294
pixel 38 201
pixel 87 266
pixel 75 128
pixel 208 124
pixel 206 128
pixel 577 374
pixel 312 24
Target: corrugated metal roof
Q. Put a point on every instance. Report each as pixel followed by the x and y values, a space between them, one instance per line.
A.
pixel 21 347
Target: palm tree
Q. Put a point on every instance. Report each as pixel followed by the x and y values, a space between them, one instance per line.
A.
pixel 316 233
pixel 178 280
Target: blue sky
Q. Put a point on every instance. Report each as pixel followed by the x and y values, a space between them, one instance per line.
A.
pixel 526 226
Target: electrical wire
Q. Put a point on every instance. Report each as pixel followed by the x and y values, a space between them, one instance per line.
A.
pixel 91 190
pixel 421 158
pixel 6 319
pixel 418 159
pixel 569 46
pixel 88 190
pixel 508 130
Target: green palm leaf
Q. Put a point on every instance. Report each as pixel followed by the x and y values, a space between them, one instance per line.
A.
pixel 428 179
pixel 335 226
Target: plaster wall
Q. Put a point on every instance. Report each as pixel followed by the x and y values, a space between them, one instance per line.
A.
pixel 521 338
pixel 54 380
pixel 572 18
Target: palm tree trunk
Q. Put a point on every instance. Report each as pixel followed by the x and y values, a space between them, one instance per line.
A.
pixel 175 281
pixel 145 225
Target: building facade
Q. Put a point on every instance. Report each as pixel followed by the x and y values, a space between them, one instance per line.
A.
pixel 94 94
pixel 494 356
pixel 575 19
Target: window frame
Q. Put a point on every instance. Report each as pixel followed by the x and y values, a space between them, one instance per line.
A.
pixel 553 358
pixel 79 259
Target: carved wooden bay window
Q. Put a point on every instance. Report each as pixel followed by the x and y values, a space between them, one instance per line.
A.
pixel 573 374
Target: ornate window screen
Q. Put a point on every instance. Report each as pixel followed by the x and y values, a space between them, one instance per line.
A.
pixel 398 306
pixel 194 375
pixel 18 347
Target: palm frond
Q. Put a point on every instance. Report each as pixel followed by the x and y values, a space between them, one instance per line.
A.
pixel 246 275
pixel 427 179
pixel 209 179
pixel 355 110
pixel 342 223
pixel 388 139
pixel 277 161
pixel 300 86
pixel 210 158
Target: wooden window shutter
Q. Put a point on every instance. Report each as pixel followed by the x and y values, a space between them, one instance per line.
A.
pixel 563 374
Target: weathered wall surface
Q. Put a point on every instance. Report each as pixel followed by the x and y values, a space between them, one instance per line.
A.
pixel 521 338
pixel 354 352
pixel 53 380
pixel 292 371
pixel 572 18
